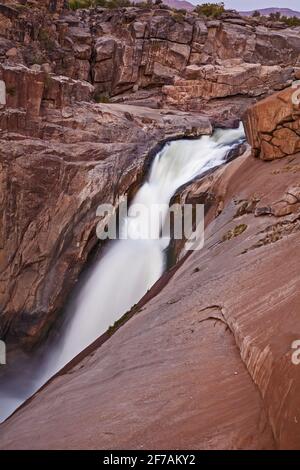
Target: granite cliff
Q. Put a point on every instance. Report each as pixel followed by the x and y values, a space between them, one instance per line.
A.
pixel 87 97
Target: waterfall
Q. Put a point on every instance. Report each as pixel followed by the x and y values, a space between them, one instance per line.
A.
pixel 126 271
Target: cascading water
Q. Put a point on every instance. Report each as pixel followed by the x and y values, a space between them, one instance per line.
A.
pixel 125 273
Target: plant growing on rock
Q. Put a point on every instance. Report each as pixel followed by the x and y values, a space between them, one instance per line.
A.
pixel 11 90
pixel 179 15
pixel 213 10
pixel 116 3
pixel 235 232
pixel 275 16
pixel 290 21
pixel 46 41
pixel 76 4
pixel 101 98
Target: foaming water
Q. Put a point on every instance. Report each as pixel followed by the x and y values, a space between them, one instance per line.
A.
pixel 125 273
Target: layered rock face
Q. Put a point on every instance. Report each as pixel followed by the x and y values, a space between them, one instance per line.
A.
pixel 207 363
pixel 60 158
pixel 62 154
pixel 273 125
pixel 155 56
pixel 54 6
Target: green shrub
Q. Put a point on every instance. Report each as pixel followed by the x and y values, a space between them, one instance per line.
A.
pixel 115 3
pixel 235 232
pixel 275 16
pixel 11 90
pixel 47 42
pixel 290 21
pixel 213 10
pixel 179 15
pixel 37 58
pixel 76 4
pixel 101 98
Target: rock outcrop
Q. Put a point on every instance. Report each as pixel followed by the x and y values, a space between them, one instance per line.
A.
pixel 62 156
pixel 273 125
pixel 207 363
pixel 154 56
pixel 54 138
pixel 228 78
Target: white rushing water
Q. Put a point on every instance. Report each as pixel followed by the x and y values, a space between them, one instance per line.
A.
pixel 126 272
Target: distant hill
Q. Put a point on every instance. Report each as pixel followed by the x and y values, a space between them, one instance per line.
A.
pixel 266 12
pixel 179 4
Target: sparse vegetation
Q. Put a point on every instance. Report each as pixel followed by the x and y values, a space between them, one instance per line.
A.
pixel 115 3
pixel 291 21
pixel 46 41
pixel 235 232
pixel 101 98
pixel 11 90
pixel 76 4
pixel 213 10
pixel 275 16
pixel 36 58
pixel 179 15
pixel 256 14
pixel 288 20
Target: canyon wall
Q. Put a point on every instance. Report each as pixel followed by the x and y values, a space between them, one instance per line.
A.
pixel 76 90
pixel 86 99
pixel 272 126
pixel 155 56
pixel 207 362
pixel 61 156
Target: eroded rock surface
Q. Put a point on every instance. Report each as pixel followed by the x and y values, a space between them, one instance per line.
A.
pixel 61 156
pixel 131 53
pixel 273 125
pixel 54 65
pixel 206 363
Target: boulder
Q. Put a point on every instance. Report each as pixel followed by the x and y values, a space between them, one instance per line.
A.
pixel 273 125
pixel 227 78
pixel 24 88
pixel 62 91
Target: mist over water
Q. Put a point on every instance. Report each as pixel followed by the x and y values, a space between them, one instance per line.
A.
pixel 126 271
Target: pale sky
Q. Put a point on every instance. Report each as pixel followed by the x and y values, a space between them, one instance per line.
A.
pixel 253 4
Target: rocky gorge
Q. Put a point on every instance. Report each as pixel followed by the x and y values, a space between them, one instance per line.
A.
pixel 87 98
